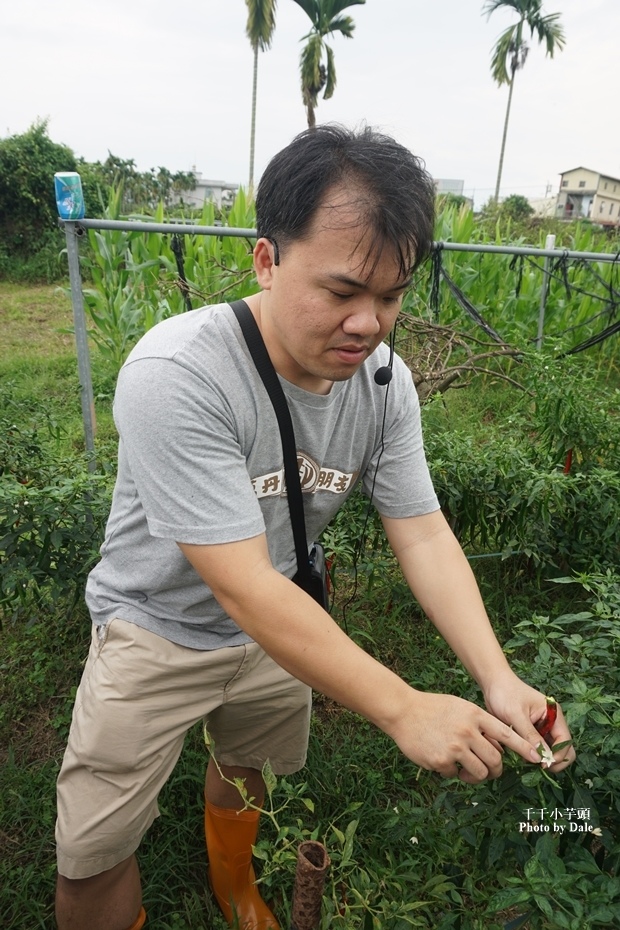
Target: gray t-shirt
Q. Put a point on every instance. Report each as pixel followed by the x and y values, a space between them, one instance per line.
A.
pixel 200 462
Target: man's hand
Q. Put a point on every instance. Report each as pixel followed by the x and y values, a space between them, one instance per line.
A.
pixel 457 738
pixel 521 706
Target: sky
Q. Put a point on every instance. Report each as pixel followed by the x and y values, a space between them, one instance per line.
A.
pixel 169 83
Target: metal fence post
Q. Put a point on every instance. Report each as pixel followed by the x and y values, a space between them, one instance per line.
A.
pixel 81 342
pixel 549 244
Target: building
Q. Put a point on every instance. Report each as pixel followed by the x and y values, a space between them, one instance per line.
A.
pixel 544 206
pixel 221 193
pixel 449 186
pixel 452 187
pixel 587 194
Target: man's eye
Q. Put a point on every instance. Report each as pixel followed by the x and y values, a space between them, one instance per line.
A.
pixel 340 296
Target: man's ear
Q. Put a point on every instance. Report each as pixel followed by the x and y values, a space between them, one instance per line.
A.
pixel 264 263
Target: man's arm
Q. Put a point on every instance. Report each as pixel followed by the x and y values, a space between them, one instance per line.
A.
pixel 438 732
pixel 440 578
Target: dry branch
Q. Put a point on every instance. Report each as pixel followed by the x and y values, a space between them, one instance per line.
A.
pixel 439 356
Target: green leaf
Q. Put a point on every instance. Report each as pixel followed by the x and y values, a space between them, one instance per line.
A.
pixel 497 847
pixel 558 746
pixel 544 652
pixel 531 778
pixel 349 837
pixel 264 854
pixel 582 860
pixel 269 778
pixel 544 905
pixel 507 897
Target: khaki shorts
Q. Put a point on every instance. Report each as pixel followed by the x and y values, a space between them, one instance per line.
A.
pixel 138 696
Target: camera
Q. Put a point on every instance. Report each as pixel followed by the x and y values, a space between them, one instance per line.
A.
pixel 317 584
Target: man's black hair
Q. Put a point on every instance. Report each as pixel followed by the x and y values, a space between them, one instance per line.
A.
pixel 396 193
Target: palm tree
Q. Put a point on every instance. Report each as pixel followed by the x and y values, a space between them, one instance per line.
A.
pixel 510 51
pixel 316 75
pixel 259 30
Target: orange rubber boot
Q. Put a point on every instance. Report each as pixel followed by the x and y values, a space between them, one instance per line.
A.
pixel 230 837
pixel 139 920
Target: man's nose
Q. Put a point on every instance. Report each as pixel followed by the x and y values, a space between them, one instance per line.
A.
pixel 363 319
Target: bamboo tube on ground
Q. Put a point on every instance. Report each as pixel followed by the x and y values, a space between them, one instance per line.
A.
pixel 312 865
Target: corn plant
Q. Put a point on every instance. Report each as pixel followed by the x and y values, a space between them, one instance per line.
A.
pixel 135 275
pixel 582 298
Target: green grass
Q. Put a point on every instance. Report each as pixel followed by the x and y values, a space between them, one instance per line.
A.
pixel 34 320
pixel 357 793
pixel 39 361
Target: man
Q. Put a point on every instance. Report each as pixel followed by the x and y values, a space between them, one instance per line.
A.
pixel 193 608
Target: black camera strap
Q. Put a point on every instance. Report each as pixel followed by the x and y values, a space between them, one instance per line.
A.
pixel 264 366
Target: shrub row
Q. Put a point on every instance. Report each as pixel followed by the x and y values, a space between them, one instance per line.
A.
pixel 495 496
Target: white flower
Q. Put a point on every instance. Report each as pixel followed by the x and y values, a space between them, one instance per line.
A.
pixel 596 831
pixel 589 782
pixel 474 804
pixel 546 756
pixel 395 809
pixel 414 840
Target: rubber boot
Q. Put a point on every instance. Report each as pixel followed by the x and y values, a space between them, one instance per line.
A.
pixel 230 837
pixel 139 923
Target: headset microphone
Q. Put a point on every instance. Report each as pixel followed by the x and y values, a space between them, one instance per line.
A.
pixel 383 375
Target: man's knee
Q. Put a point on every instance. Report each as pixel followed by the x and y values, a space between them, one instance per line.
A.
pixel 99 883
pixel 109 899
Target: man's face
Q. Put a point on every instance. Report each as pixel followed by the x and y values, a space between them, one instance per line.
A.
pixel 326 307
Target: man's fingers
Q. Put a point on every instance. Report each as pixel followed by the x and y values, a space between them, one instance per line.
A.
pixel 495 743
pixel 559 734
pixel 508 737
pixel 476 763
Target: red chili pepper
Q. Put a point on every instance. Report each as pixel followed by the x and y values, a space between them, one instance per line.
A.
pixel 568 462
pixel 545 724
